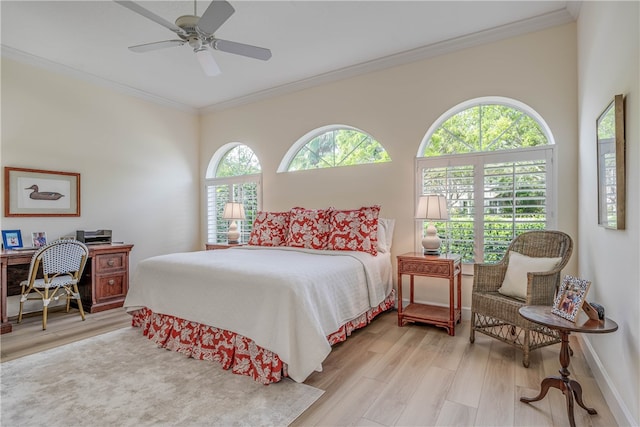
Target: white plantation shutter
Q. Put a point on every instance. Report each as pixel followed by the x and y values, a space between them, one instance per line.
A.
pixel 245 189
pixel 492 197
pixel 457 183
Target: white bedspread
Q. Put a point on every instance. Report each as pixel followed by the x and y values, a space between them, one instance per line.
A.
pixel 287 300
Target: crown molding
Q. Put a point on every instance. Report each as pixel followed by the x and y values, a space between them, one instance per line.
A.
pixel 36 61
pixel 537 23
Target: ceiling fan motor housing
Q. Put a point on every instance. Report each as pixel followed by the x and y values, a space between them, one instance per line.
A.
pixel 188 23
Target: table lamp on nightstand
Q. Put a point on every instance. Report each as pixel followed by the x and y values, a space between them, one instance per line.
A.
pixel 432 207
pixel 234 212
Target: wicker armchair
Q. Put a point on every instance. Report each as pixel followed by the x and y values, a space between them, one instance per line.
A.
pixel 496 315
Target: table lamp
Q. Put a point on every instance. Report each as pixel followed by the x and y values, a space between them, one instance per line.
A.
pixel 234 212
pixel 432 207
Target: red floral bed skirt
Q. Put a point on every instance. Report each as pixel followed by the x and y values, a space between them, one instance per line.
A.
pixel 236 352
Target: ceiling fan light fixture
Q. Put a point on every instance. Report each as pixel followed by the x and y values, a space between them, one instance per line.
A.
pixel 207 62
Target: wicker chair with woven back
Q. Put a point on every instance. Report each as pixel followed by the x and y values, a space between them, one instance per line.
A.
pixel 528 274
pixel 61 263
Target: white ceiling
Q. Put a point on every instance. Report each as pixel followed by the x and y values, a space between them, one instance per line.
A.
pixel 311 41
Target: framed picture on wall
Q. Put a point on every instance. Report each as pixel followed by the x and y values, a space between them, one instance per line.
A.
pixel 11 239
pixel 570 297
pixel 34 192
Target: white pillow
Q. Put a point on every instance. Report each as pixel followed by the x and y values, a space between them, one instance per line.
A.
pixel 515 281
pixel 385 234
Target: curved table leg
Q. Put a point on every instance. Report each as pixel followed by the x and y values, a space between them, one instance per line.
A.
pixel 569 387
pixel 544 388
pixel 577 392
pixel 566 388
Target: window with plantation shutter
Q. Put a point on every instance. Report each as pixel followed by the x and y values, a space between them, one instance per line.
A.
pixel 233 176
pixel 498 185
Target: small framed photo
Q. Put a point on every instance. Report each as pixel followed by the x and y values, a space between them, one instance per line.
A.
pixel 38 239
pixel 11 239
pixel 571 296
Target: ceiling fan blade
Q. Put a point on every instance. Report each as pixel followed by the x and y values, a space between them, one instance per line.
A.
pixel 141 48
pixel 241 49
pixel 216 14
pixel 152 16
pixel 207 62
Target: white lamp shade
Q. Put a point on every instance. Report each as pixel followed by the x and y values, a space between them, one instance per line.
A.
pixel 432 207
pixel 233 211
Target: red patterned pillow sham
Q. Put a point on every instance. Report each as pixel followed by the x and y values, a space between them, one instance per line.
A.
pixel 270 229
pixel 355 230
pixel 308 228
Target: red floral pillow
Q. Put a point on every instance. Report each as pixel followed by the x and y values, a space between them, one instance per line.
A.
pixel 309 228
pixel 270 229
pixel 355 230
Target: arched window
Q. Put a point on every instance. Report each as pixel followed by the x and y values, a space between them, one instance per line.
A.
pixel 233 175
pixel 492 158
pixel 333 146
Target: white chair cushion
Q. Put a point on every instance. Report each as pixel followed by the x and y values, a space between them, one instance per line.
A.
pixel 515 280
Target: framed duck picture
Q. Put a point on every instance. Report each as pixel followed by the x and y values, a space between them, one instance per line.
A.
pixel 34 192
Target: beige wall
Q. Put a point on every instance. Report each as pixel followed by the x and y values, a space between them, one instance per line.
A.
pixel 138 162
pixel 608 64
pixel 397 106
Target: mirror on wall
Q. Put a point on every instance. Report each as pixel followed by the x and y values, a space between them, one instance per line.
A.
pixel 611 171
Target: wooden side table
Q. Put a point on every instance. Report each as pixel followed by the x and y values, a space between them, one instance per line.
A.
pixel 447 266
pixel 214 246
pixel 570 388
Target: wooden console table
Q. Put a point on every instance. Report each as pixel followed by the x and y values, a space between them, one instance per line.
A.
pixel 542 315
pixel 104 283
pixel 443 266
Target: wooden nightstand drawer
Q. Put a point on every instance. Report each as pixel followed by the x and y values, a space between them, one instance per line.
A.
pixel 443 269
pixel 112 286
pixel 110 262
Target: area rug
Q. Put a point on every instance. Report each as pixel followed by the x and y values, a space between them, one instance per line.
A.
pixel 123 379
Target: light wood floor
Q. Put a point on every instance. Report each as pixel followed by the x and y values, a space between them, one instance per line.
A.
pixel 384 375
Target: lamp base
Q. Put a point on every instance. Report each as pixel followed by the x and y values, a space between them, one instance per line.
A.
pixel 431 252
pixel 431 242
pixel 233 235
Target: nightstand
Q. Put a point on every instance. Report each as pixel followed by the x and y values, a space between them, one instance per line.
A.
pixel 214 246
pixel 447 266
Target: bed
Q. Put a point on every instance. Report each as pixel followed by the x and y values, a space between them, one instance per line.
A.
pixel 262 311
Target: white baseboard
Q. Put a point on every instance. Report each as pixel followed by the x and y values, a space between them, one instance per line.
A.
pixel 616 405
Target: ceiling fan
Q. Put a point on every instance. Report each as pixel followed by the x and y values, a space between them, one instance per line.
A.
pixel 198 33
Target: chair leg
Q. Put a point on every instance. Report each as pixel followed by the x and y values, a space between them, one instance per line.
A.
pixel 22 297
pixel 472 332
pixel 525 349
pixel 76 295
pixel 45 308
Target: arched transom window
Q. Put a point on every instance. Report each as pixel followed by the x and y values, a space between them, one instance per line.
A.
pixel 333 146
pixel 492 158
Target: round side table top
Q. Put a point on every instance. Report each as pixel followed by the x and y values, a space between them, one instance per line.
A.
pixel 542 315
